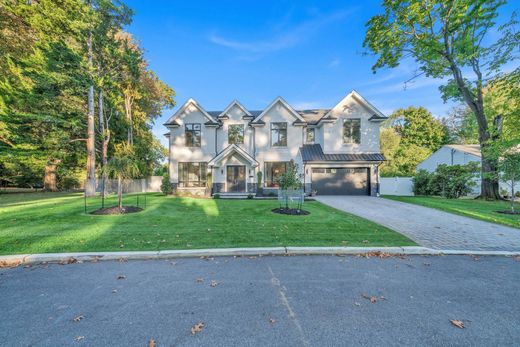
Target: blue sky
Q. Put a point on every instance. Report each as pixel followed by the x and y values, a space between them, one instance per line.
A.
pixel 308 52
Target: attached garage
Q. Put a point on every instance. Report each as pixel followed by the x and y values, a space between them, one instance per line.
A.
pixel 341 181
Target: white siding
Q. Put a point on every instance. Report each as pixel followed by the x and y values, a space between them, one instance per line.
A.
pixel 333 132
pixel 178 150
pixel 266 152
pixel 446 155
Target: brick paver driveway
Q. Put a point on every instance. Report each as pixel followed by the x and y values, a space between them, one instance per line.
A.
pixel 429 227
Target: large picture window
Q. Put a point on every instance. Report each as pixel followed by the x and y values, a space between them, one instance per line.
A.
pixel 273 170
pixel 192 134
pixel 193 174
pixel 279 134
pixel 352 130
pixel 236 134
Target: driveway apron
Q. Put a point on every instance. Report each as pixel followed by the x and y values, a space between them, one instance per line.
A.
pixel 429 227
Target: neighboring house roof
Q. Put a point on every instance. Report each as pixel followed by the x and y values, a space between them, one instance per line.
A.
pixel 230 150
pixel 315 153
pixel 470 149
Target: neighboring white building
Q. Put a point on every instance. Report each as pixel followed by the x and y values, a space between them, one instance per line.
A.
pixel 337 150
pixel 451 155
pixel 457 155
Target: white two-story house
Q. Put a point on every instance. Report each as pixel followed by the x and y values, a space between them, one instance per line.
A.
pixel 337 150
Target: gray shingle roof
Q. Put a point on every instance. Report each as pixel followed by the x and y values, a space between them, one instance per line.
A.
pixel 315 153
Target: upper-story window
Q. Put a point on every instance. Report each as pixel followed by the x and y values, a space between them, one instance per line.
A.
pixel 309 135
pixel 352 130
pixel 279 134
pixel 236 134
pixel 192 134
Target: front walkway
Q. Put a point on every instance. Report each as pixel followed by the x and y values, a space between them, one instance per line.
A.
pixel 429 227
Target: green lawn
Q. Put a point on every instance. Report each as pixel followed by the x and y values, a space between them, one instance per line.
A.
pixel 56 222
pixel 479 209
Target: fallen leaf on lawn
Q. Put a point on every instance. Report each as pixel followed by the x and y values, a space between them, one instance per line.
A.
pixel 200 280
pixel 197 328
pixel 151 343
pixel 457 323
pixel 272 320
pixel 214 283
pixel 79 338
pixel 121 277
pixel 78 318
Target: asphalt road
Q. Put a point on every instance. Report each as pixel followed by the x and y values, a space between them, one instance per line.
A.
pixel 266 301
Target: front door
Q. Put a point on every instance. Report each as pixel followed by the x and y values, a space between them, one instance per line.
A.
pixel 236 179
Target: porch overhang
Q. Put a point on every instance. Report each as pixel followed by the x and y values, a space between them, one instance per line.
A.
pixel 230 151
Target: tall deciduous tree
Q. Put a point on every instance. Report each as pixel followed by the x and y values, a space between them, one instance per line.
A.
pixel 449 39
pixel 410 135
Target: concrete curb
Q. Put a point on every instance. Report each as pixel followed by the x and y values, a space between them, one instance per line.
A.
pixel 67 258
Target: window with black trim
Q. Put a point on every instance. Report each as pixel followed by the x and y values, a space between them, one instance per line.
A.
pixel 193 174
pixel 273 170
pixel 236 134
pixel 279 134
pixel 192 134
pixel 309 135
pixel 352 130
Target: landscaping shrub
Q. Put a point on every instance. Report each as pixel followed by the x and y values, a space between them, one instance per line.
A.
pixel 250 196
pixel 449 181
pixel 421 182
pixel 166 185
pixel 216 196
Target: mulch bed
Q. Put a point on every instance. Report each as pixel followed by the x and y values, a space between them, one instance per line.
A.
pixel 509 212
pixel 291 211
pixel 115 210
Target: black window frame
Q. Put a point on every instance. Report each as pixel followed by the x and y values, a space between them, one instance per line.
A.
pixel 184 174
pixel 313 131
pixel 270 177
pixel 191 128
pixel 242 134
pixel 353 127
pixel 279 131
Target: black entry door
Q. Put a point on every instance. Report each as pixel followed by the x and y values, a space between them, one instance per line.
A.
pixel 236 179
pixel 341 181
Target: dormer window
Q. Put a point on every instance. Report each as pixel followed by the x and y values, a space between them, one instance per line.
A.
pixel 279 134
pixel 236 134
pixel 192 134
pixel 309 135
pixel 352 131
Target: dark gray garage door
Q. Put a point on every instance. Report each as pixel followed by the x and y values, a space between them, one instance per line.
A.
pixel 341 181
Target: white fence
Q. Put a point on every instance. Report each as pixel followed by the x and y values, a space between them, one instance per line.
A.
pixel 396 186
pixel 144 185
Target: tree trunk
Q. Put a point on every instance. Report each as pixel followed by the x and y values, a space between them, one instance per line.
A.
pixel 128 114
pixel 90 184
pixel 119 194
pixel 105 136
pixel 489 184
pixel 49 180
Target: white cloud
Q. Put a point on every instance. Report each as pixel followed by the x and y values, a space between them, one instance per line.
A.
pixel 280 41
